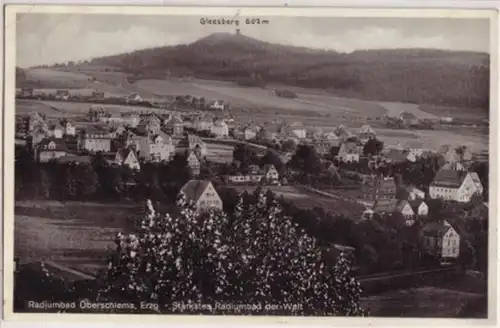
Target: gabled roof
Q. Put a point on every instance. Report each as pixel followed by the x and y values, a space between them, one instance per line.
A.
pixel 415 204
pixel 193 189
pixel 60 145
pixel 166 138
pixel 449 178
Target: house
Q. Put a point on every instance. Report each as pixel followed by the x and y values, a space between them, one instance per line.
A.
pixel 175 126
pixel 150 123
pixel 118 131
pixel 270 173
pixel 449 154
pixel 112 119
pixel 220 129
pixel 342 133
pixel 131 119
pixel 415 194
pixel 395 156
pixel 314 133
pixel 95 139
pixel 464 154
pixel 134 97
pixel 419 207
pixel 250 131
pixel 202 124
pixel 324 146
pixel 203 194
pixel 366 133
pixel 127 157
pixel 453 185
pixel 378 188
pixel 192 143
pixel 69 128
pixel 350 150
pixel 50 148
pixel 395 207
pixel 193 163
pixel 331 136
pixel 216 105
pixel 159 147
pixel 56 131
pixel 446 119
pixel 440 240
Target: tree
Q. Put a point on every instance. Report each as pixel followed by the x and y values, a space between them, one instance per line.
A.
pixel 272 157
pixel 245 155
pixel 254 256
pixel 373 147
pixel 306 160
pixel 288 146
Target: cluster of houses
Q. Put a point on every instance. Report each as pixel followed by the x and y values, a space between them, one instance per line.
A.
pixel 125 140
pixel 134 98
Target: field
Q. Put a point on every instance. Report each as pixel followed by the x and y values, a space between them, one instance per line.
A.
pixel 77 235
pixel 430 302
pixel 219 153
pixel 305 199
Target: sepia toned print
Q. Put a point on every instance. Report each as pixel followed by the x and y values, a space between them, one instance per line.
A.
pixel 251 165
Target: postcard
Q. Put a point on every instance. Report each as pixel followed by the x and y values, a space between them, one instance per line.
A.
pixel 262 164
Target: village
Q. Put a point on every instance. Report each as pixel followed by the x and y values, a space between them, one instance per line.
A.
pixel 344 165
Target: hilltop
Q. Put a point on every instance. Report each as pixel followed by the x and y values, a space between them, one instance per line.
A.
pixel 423 76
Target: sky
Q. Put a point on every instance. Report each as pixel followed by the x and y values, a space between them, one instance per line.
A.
pixel 53 38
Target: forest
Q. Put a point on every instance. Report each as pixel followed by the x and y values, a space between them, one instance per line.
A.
pixel 422 76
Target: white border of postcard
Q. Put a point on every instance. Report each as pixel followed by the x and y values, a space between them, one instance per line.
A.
pixel 8 154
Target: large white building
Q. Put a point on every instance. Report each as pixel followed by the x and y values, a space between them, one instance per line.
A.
pixel 454 185
pixel 220 129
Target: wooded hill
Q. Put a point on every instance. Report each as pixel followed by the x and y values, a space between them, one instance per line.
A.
pixel 409 75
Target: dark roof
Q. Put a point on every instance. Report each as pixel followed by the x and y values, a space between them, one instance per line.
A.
pixel 193 189
pixel 435 229
pixel 449 178
pixel 59 143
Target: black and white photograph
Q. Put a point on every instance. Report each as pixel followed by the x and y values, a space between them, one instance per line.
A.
pixel 241 164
